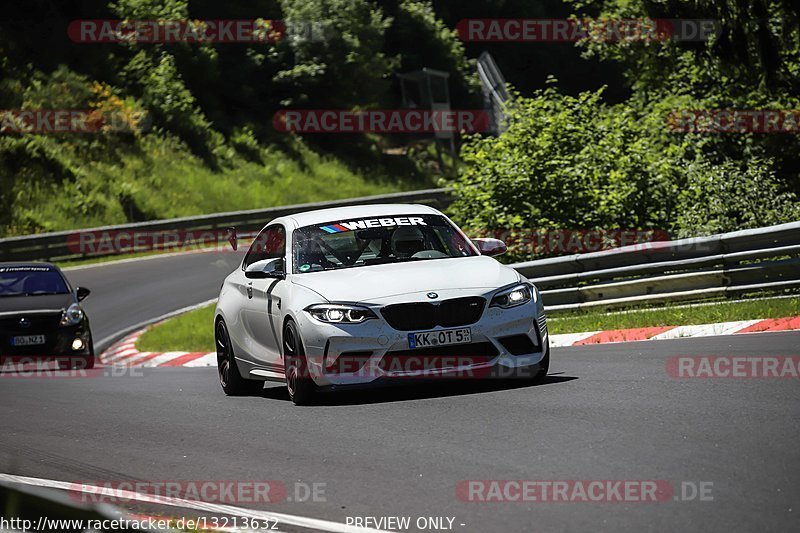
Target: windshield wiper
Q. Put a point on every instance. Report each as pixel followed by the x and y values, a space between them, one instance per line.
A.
pixel 42 293
pixel 384 260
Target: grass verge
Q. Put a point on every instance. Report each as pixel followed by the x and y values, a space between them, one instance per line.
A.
pixel 193 332
pixel 163 180
pixel 576 322
pixel 190 332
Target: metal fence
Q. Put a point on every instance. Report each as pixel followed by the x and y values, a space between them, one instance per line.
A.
pixel 748 261
pixel 63 245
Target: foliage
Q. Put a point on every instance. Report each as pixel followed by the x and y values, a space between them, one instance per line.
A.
pixel 337 54
pixel 732 195
pixel 576 163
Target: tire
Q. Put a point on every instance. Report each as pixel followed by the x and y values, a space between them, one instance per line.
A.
pixel 544 367
pixel 85 362
pixel 301 388
pixel 232 382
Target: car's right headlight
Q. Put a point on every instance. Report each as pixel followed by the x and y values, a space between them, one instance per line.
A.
pixel 72 315
pixel 340 313
pixel 513 296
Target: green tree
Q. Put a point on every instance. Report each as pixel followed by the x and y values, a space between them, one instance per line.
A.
pixel 334 54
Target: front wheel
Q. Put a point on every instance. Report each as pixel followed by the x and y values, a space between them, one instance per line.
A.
pixel 232 382
pixel 298 381
pixel 544 366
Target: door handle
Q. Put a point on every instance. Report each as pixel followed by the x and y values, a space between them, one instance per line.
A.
pixel 250 290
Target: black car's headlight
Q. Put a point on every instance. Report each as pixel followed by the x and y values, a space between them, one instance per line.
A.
pixel 514 296
pixel 72 315
pixel 340 313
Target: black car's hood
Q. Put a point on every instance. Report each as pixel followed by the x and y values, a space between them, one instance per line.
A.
pixel 44 302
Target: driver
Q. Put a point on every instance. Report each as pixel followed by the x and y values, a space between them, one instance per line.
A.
pixel 312 255
pixel 407 240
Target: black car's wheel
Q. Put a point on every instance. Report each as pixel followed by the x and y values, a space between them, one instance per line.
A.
pixel 298 381
pixel 230 379
pixel 85 362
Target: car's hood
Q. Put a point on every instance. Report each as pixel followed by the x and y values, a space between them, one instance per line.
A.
pixel 30 304
pixel 367 283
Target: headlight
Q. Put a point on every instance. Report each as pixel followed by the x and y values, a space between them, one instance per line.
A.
pixel 72 315
pixel 517 295
pixel 340 313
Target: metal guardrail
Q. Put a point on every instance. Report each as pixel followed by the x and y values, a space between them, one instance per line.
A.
pixel 747 261
pixel 755 260
pixel 63 245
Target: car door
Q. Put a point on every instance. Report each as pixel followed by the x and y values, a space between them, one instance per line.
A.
pixel 260 312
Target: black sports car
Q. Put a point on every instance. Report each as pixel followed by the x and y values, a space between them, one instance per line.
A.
pixel 41 317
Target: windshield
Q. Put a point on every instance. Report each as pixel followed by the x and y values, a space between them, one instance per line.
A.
pixel 371 241
pixel 31 281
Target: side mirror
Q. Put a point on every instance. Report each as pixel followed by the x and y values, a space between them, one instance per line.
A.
pixel 490 247
pixel 268 268
pixel 82 293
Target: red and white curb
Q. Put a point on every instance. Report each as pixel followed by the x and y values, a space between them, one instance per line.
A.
pixel 124 353
pixel 676 332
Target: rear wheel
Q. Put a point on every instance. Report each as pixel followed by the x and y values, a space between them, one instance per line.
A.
pixel 232 382
pixel 298 381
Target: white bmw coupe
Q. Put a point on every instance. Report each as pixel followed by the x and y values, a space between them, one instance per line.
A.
pixel 364 295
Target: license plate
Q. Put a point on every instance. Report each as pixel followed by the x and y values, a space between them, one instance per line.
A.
pixel 444 337
pixel 27 340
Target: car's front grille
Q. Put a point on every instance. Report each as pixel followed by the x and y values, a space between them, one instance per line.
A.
pixel 34 324
pixel 427 315
pixel 47 325
pixel 438 357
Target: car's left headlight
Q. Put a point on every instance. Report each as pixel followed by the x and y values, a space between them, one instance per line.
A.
pixel 514 296
pixel 340 313
pixel 72 315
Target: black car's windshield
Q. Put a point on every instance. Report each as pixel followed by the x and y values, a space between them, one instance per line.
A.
pixel 371 241
pixel 31 281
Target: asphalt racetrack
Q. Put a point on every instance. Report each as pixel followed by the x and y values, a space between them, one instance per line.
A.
pixel 607 412
pixel 129 293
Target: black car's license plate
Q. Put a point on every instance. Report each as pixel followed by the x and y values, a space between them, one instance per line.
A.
pixel 27 340
pixel 442 337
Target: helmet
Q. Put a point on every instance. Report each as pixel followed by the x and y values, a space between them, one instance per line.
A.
pixel 407 240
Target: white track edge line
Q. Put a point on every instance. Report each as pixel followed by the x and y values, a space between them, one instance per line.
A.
pixel 295 520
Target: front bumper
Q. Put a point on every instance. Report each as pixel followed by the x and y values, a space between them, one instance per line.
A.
pixel 374 342
pixel 58 344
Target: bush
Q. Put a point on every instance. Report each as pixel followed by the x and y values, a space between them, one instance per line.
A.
pixel 732 196
pixel 575 163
